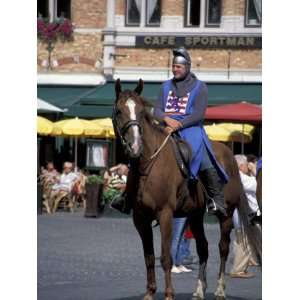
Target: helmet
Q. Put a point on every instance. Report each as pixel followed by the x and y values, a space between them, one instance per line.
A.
pixel 181 56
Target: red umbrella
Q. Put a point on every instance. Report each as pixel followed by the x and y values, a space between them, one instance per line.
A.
pixel 242 111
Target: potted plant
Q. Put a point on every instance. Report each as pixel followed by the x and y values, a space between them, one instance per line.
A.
pixel 94 190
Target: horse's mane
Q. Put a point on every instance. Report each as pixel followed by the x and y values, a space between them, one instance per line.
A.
pixel 149 117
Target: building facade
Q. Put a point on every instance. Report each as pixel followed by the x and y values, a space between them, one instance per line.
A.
pixel 132 39
pixel 129 39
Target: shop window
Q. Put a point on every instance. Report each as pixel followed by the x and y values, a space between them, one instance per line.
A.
pixel 54 9
pixel 192 12
pixel 253 13
pixel 213 13
pixel 143 12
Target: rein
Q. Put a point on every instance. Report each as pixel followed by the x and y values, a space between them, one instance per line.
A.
pixel 160 147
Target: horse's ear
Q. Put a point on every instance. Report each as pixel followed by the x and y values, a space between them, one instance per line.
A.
pixel 118 88
pixel 139 87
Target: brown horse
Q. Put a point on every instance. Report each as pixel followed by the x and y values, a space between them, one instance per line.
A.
pixel 157 189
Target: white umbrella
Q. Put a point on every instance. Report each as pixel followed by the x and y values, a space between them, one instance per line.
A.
pixel 45 106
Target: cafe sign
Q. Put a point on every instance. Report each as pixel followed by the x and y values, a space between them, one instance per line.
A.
pixel 204 41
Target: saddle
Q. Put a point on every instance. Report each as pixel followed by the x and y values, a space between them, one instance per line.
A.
pixel 183 154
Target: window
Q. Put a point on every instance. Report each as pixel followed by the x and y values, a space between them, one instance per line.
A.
pixel 253 13
pixel 192 13
pixel 213 13
pixel 43 8
pixel 133 15
pixel 198 12
pixel 153 12
pixel 63 9
pixel 143 12
pixel 53 9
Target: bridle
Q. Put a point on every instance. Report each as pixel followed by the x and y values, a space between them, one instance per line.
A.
pixel 121 130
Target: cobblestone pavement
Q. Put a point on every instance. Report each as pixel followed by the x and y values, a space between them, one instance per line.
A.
pixel 102 259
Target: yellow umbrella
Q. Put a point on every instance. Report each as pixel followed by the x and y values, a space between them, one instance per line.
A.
pixel 217 133
pixel 76 128
pixel 44 126
pixel 107 126
pixel 239 132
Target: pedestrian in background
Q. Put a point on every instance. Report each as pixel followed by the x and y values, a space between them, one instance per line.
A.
pixel 178 255
pixel 243 255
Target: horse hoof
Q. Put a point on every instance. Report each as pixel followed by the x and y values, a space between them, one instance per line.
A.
pixel 220 298
pixel 148 297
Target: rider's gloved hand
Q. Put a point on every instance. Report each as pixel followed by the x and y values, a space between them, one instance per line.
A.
pixel 174 124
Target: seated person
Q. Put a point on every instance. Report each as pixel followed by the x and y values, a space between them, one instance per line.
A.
pixel 64 184
pixel 49 174
pixel 116 177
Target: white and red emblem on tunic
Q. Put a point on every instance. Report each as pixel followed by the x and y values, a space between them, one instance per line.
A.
pixel 176 105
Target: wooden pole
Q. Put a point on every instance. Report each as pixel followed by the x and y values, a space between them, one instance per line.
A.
pixel 243 139
pixel 76 141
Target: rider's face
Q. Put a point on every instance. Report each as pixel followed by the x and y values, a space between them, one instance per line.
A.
pixel 179 71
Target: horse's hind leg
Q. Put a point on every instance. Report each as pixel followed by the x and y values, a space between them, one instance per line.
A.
pixel 196 225
pixel 145 231
pixel 165 222
pixel 225 226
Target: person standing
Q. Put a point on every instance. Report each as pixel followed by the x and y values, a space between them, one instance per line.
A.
pixel 243 256
pixel 179 225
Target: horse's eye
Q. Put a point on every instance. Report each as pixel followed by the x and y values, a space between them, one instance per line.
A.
pixel 117 111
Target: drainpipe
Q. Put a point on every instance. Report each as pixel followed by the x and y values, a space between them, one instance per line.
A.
pixel 109 40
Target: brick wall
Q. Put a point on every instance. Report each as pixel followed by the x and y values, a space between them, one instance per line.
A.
pixel 89 14
pixel 78 56
pixel 172 7
pixel 233 7
pixel 120 7
pixel 218 59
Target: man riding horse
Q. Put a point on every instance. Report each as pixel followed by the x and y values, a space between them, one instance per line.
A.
pixel 181 107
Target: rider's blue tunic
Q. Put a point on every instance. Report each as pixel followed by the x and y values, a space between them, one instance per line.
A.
pixel 179 108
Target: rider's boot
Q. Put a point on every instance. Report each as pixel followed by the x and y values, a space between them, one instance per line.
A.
pixel 121 203
pixel 215 201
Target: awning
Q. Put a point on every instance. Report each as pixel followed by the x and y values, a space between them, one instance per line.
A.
pixel 240 112
pixel 43 106
pixel 97 102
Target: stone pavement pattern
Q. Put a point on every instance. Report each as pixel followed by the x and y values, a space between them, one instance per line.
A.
pixel 102 259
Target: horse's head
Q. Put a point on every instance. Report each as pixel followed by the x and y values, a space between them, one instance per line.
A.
pixel 128 112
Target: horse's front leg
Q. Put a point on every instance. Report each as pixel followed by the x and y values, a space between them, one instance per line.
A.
pixel 196 225
pixel 145 231
pixel 225 226
pixel 165 222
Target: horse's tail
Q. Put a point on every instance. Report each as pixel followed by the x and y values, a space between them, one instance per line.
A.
pixel 250 232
